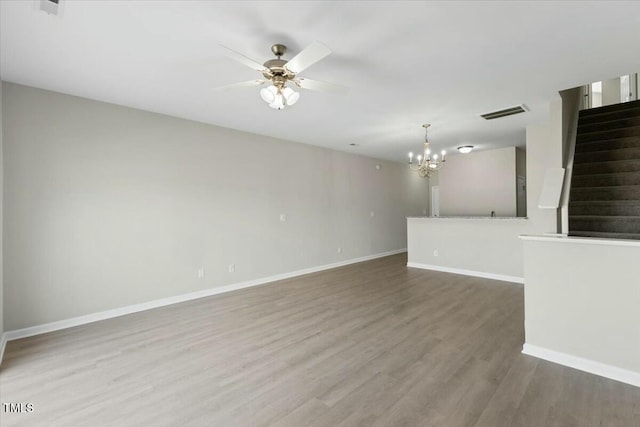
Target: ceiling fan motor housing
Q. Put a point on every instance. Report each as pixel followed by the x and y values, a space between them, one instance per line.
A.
pixel 277 73
pixel 276 66
pixel 279 81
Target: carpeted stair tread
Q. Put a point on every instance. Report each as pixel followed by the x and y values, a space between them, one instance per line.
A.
pixel 606 202
pixel 606 179
pixel 606 224
pixel 600 126
pixel 605 117
pixel 618 192
pixel 605 207
pixel 610 108
pixel 604 217
pixel 601 235
pixel 629 153
pixel 609 144
pixel 602 135
pixel 613 166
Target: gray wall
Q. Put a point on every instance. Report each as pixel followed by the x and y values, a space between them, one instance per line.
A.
pixel 1 225
pixel 478 183
pixel 107 206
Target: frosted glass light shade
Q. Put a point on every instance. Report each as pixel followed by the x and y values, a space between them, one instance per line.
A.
pixel 290 95
pixel 268 94
pixel 278 102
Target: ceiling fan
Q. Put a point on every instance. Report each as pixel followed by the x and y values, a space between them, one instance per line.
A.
pixel 280 72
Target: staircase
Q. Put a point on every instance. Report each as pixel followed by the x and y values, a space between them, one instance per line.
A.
pixel 605 186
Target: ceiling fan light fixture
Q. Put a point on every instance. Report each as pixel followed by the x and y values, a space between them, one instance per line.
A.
pixel 290 95
pixel 278 103
pixel 268 94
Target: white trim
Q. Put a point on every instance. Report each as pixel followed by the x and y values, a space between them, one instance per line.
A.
pixel 586 365
pixel 122 311
pixel 504 278
pixel 3 345
pixel 559 238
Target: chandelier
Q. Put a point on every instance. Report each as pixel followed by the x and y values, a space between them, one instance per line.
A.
pixel 428 164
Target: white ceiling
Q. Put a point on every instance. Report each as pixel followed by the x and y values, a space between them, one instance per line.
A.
pixel 406 63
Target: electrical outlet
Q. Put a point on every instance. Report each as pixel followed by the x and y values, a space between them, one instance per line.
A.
pixel 371 214
pixel 201 273
pixel 435 253
pixel 283 217
pixel 232 268
pixel 339 250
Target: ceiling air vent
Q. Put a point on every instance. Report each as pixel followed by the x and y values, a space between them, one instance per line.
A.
pixel 504 113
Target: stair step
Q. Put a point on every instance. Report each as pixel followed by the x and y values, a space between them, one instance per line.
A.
pixel 607 155
pixel 621 192
pixel 600 235
pixel 605 208
pixel 610 124
pixel 614 166
pixel 604 117
pixel 606 179
pixel 606 224
pixel 607 134
pixel 605 186
pixel 610 108
pixel 611 144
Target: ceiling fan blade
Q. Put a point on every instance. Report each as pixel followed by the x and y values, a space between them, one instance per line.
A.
pixel 248 83
pixel 321 86
pixel 309 56
pixel 244 60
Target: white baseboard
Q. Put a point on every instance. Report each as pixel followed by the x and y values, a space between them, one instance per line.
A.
pixel 586 365
pixel 94 317
pixel 504 278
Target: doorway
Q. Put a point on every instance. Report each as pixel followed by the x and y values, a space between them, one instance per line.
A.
pixel 435 201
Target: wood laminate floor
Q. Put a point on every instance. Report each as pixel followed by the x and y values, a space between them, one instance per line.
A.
pixel 371 344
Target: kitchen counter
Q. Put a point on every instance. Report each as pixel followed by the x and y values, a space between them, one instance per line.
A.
pixel 483 246
pixel 467 217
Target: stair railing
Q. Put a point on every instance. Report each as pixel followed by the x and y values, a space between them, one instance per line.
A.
pixel 633 95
